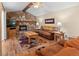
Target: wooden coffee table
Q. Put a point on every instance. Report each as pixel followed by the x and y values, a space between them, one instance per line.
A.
pixel 31 34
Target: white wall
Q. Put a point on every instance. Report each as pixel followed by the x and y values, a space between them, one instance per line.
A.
pixel 68 17
pixel 41 19
pixel 3 25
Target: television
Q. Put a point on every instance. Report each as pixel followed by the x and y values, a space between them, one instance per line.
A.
pixel 12 23
pixel 50 21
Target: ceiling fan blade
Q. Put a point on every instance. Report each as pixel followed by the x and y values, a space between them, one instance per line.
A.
pixel 27 7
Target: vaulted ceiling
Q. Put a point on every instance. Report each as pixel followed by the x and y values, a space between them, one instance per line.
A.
pixel 14 6
pixel 44 8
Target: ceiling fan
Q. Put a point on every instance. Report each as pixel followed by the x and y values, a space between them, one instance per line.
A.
pixel 34 4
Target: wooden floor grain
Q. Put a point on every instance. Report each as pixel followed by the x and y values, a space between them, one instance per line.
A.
pixel 11 47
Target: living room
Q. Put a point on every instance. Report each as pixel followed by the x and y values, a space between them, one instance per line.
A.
pixel 41 29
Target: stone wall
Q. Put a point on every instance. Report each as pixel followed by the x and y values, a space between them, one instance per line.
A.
pixel 23 17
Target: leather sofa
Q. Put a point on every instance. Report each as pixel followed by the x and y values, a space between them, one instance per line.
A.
pixel 46 34
pixel 49 49
pixel 54 49
pixel 46 30
pixel 70 48
pixel 68 51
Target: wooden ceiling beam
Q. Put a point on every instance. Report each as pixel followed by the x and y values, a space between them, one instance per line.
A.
pixel 27 7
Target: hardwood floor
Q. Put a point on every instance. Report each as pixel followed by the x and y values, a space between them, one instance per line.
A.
pixel 12 46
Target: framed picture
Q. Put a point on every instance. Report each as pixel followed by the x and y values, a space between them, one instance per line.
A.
pixel 50 21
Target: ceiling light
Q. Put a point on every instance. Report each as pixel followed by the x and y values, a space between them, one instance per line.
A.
pixel 36 4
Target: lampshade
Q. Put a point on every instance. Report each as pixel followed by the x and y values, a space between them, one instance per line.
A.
pixel 37 23
pixel 59 24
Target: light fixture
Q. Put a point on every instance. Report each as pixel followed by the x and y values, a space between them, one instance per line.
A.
pixel 37 24
pixel 59 24
pixel 36 4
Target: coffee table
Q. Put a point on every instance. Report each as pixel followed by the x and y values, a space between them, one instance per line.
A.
pixel 31 34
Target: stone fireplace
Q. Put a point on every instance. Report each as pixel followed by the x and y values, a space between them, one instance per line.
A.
pixel 24 21
pixel 27 27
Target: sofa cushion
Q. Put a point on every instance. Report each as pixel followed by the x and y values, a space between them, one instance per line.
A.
pixel 72 43
pixel 68 51
pixel 44 32
pixel 48 27
pixel 50 50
